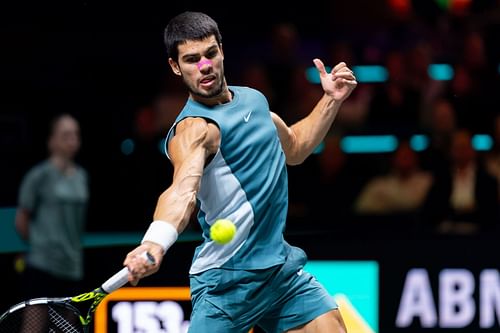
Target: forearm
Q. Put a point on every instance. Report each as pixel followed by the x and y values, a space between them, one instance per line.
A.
pixel 175 207
pixel 177 203
pixel 308 133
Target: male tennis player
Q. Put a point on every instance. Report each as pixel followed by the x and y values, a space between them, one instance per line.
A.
pixel 230 153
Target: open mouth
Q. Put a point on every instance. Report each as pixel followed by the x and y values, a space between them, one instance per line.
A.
pixel 207 81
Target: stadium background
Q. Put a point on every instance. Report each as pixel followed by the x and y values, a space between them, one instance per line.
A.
pixel 106 63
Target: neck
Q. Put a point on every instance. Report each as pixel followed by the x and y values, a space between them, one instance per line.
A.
pixel 225 96
pixel 62 163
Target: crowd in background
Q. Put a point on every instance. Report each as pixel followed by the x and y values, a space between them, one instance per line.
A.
pixel 449 188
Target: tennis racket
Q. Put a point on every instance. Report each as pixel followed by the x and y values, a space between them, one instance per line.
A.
pixel 62 314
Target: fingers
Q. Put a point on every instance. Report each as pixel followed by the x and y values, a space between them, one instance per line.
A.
pixel 344 72
pixel 138 264
pixel 351 82
pixel 338 67
pixel 320 66
pixel 339 71
pixel 155 250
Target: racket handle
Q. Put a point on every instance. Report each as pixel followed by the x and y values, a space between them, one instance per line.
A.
pixel 121 277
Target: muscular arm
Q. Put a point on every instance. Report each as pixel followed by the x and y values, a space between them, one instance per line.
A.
pixel 299 140
pixel 194 142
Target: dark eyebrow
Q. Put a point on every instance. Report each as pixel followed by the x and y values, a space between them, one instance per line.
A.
pixel 209 49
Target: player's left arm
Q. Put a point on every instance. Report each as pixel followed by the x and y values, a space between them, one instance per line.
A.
pixel 300 139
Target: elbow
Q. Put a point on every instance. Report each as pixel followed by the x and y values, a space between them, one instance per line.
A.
pixel 293 155
pixel 295 160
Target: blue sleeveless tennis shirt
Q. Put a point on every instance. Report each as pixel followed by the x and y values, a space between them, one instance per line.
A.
pixel 246 182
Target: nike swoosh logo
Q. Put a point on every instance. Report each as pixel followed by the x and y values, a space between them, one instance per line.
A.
pixel 247 117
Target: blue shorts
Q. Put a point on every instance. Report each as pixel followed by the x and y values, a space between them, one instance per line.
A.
pixel 276 299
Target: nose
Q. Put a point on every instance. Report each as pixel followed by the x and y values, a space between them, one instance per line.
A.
pixel 204 62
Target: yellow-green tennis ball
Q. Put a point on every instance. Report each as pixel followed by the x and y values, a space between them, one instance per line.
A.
pixel 222 231
pixel 19 264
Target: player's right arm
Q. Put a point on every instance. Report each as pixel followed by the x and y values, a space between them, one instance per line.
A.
pixel 194 142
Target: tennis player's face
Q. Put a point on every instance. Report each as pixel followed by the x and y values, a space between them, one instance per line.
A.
pixel 202 69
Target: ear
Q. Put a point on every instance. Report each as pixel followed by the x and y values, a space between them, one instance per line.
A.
pixel 174 66
pixel 221 51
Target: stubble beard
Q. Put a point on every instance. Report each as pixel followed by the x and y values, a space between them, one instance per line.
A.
pixel 216 91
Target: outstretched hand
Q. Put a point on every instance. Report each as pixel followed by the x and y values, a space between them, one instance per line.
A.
pixel 339 83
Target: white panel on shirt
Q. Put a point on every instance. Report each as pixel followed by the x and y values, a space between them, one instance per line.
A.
pixel 222 196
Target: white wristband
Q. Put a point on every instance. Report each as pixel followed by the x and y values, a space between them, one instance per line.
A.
pixel 162 233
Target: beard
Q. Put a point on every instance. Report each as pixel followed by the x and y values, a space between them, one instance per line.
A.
pixel 214 92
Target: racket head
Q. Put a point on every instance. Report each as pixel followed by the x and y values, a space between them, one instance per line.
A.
pixel 61 315
pixel 54 315
pixel 42 315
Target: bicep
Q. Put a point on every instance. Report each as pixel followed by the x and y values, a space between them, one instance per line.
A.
pixel 190 148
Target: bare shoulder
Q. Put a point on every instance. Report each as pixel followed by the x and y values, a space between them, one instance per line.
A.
pixel 197 132
pixel 191 125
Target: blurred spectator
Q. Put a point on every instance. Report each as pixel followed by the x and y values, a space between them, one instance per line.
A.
pixel 401 191
pixel 474 87
pixel 283 58
pixel 465 199
pixel 419 57
pixel 51 215
pixel 337 184
pixel 395 103
pixel 439 129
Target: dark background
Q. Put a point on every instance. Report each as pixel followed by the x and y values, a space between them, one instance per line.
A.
pixel 105 62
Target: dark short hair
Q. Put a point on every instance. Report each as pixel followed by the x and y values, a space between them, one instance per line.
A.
pixel 189 26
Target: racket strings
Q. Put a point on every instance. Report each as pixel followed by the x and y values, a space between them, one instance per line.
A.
pixel 42 318
pixel 61 322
